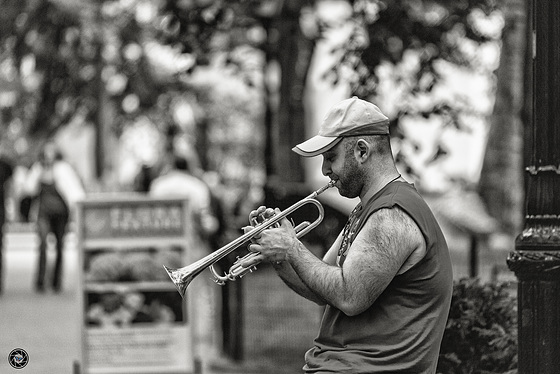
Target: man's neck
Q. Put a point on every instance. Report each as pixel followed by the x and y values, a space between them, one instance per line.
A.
pixel 378 185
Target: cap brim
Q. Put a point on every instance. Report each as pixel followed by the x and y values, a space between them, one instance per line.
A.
pixel 316 145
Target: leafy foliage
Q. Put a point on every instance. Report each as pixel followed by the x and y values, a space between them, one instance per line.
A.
pixel 42 39
pixel 139 56
pixel 75 49
pixel 481 332
pixel 416 44
pixel 432 27
pixel 205 27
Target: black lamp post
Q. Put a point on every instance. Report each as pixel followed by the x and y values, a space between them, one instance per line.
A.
pixel 536 258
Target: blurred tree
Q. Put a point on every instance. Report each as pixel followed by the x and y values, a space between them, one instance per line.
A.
pixel 117 61
pixel 420 40
pixel 206 28
pixel 501 180
pixel 133 52
pixel 450 30
pixel 52 62
pixel 435 28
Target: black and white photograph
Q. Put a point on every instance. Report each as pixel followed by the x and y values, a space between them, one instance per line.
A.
pixel 280 186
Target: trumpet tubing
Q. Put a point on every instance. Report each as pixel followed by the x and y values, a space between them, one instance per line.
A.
pixel 182 277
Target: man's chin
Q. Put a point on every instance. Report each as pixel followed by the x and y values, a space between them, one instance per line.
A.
pixel 345 193
pixel 349 191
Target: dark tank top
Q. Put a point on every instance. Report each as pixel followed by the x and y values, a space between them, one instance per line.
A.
pixel 402 331
pixel 51 202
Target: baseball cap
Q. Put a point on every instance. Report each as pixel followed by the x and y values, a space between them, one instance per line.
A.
pixel 350 117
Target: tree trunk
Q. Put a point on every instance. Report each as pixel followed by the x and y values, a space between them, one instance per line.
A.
pixel 289 49
pixel 501 181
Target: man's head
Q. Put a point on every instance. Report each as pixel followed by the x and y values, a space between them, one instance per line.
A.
pixel 356 162
pixel 355 145
pixel 50 153
pixel 349 118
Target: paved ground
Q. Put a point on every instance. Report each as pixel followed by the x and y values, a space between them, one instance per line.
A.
pixel 45 325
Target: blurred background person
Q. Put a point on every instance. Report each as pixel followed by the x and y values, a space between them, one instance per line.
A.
pixel 55 188
pixel 179 181
pixel 6 171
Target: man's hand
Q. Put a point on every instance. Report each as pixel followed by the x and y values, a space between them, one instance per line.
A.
pixel 273 243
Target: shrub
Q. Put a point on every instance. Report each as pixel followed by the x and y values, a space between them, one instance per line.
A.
pixel 481 332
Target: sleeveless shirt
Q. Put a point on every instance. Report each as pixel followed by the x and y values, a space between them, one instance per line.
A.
pixel 51 202
pixel 401 331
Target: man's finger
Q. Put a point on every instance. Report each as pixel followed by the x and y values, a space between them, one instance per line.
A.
pixel 284 222
pixel 255 215
pixel 252 261
pixel 254 247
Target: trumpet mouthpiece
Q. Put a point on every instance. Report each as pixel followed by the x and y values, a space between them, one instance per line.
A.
pixel 324 188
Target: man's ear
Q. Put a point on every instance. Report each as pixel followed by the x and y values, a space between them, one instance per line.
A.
pixel 362 150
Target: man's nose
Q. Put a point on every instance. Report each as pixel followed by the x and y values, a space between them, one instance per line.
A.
pixel 326 168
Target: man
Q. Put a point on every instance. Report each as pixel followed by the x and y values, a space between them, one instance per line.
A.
pixel 387 279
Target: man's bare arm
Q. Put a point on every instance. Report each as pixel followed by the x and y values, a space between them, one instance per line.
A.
pixel 292 280
pixel 383 245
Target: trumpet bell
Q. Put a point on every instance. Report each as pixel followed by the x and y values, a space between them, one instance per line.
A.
pixel 181 278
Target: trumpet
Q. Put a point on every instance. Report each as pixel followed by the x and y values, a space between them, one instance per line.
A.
pixel 182 277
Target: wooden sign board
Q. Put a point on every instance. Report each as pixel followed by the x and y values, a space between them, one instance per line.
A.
pixel 133 318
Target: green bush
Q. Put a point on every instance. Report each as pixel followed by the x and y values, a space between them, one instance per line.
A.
pixel 481 332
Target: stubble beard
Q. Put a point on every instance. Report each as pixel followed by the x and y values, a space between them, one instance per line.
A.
pixel 351 182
